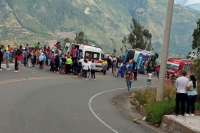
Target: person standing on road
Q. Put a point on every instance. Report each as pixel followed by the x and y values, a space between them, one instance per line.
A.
pixel 42 60
pixel 192 95
pixel 89 70
pixel 135 70
pixel 129 75
pixel 33 58
pixel 1 58
pixel 85 66
pixel 25 56
pixel 69 64
pixel 17 58
pixel 93 70
pixel 114 68
pixel 6 58
pixel 57 62
pixel 181 93
pixel 52 62
pixel 79 70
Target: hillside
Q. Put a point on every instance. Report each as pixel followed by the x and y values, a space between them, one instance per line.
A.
pixel 106 21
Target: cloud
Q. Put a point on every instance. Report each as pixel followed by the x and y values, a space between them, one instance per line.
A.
pixel 191 2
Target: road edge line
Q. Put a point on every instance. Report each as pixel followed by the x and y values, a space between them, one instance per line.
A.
pixel 95 114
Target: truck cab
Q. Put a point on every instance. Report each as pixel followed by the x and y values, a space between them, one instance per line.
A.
pixel 176 66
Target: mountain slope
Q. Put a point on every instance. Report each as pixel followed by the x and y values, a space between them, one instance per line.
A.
pixel 184 22
pixel 105 21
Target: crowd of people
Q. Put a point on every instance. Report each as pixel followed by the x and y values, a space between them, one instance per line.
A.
pixel 59 62
pixel 67 63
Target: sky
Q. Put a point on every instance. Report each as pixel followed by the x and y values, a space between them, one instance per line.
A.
pixel 187 2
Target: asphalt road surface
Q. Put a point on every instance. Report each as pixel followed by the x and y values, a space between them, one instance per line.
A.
pixel 34 101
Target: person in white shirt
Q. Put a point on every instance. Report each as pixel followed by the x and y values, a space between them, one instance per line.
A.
pixel 93 69
pixel 181 93
pixel 86 67
pixel 89 70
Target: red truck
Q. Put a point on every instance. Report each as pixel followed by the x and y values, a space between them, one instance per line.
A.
pixel 175 67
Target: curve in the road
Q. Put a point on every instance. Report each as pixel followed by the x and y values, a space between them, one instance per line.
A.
pixel 95 114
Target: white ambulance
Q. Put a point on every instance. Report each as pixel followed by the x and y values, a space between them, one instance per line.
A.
pixel 90 52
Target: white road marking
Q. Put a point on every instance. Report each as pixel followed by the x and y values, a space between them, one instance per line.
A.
pixel 95 114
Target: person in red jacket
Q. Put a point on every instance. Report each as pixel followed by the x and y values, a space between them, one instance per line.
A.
pixel 18 55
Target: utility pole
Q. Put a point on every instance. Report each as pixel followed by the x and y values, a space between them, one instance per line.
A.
pixel 165 49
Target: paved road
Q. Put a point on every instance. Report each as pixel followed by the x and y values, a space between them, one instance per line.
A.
pixel 35 101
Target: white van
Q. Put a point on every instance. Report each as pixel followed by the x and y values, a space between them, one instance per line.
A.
pixel 90 52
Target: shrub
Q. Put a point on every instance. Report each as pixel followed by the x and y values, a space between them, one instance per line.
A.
pixel 196 68
pixel 198 89
pixel 198 106
pixel 146 96
pixel 169 90
pixel 157 110
pixel 153 110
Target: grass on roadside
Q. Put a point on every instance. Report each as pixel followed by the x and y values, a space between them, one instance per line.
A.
pixel 155 111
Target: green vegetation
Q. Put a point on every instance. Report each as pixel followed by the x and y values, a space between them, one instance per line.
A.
pixel 195 45
pixel 138 37
pixel 80 38
pixel 196 36
pixel 196 68
pixel 155 111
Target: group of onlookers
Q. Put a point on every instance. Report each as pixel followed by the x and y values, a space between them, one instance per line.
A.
pixel 8 55
pixel 57 61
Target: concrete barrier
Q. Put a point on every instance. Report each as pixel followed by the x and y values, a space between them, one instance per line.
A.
pixel 181 124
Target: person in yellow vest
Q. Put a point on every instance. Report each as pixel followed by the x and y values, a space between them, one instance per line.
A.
pixel 68 64
pixel 105 66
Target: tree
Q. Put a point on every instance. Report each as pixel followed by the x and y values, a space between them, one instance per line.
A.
pixel 196 68
pixel 196 36
pixel 67 40
pixel 138 37
pixel 196 45
pixel 147 39
pixel 80 37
